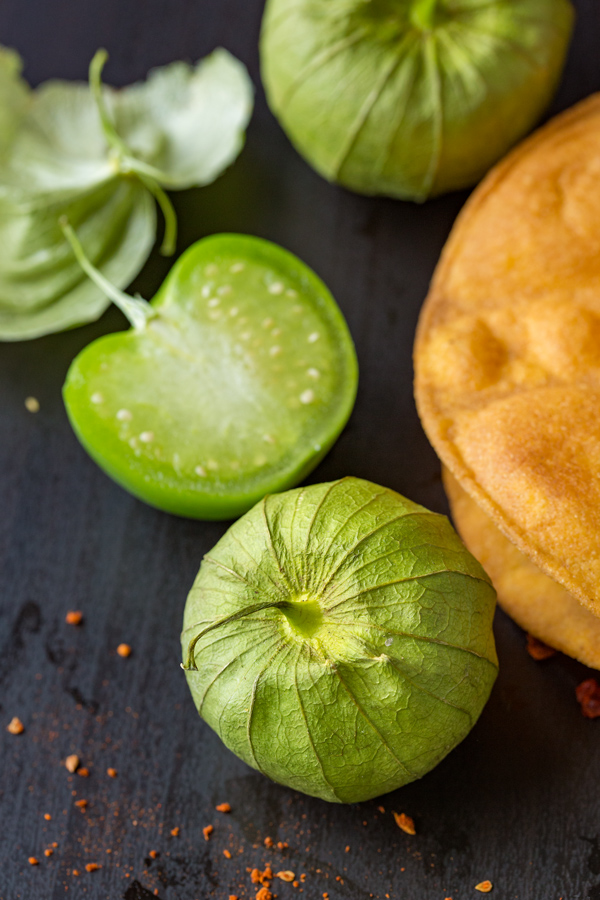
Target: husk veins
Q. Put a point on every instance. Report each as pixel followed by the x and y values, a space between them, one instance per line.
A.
pixel 391 664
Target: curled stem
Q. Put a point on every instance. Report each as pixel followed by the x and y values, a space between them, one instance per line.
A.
pixel 138 311
pixel 150 176
pixel 190 663
pixel 167 248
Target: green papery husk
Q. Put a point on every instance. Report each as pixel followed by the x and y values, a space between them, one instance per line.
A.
pixel 376 657
pixel 410 98
pixel 58 158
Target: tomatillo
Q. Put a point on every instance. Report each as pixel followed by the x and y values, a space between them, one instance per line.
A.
pixel 233 382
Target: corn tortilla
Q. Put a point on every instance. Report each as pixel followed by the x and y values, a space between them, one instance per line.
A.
pixel 536 602
pixel 507 355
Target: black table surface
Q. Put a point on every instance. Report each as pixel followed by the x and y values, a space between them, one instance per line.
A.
pixel 518 802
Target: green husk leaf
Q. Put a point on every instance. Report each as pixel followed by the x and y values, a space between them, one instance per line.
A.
pixel 42 286
pixel 340 639
pixel 97 157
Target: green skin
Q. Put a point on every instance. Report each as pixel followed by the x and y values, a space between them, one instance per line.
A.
pixel 235 382
pixel 338 638
pixel 410 98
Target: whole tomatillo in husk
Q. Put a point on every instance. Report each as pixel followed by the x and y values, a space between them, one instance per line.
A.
pixel 410 98
pixel 507 361
pixel 338 639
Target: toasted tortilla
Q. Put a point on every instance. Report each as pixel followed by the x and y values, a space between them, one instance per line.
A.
pixel 507 355
pixel 536 602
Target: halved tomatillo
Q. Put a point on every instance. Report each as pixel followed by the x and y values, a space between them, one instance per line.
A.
pixel 232 383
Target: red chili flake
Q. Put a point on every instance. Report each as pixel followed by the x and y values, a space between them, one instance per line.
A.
pixel 233 897
pixel 175 831
pixel 484 887
pixel 47 817
pixel 264 894
pixel 295 884
pixel 75 872
pixel 153 854
pixel 72 763
pixel 268 842
pixel 226 854
pixel 83 772
pixel 207 832
pixel 48 852
pixel 405 823
pixel 33 861
pixel 124 650
pixel 112 773
pixel 15 726
pixel 92 867
pixel 81 804
pixel 223 807
pixel 347 849
pixel 74 617
pixel 588 697
pixel 538 649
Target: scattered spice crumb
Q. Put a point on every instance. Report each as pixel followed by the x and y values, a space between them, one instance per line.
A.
pixel 223 807
pixel 81 803
pixel 282 845
pixel 226 854
pixel 74 617
pixel 207 832
pixel 55 844
pixel 303 877
pixel 75 872
pixel 268 842
pixel 32 404
pixel 92 867
pixel 295 884
pixel 325 896
pixel 405 823
pixel 48 852
pixel 47 817
pixel 233 897
pixel 264 894
pixel 588 697
pixel 153 854
pixel 124 650
pixel 381 809
pixel 83 772
pixel 484 886
pixel 72 763
pixel 175 831
pixel 112 773
pixel 15 726
pixel 538 649
pixel 347 849
pixel 33 861
pixel 286 875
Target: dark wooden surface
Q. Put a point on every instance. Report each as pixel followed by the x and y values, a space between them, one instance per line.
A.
pixel 518 802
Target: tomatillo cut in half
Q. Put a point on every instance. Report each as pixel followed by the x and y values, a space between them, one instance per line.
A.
pixel 338 638
pixel 234 381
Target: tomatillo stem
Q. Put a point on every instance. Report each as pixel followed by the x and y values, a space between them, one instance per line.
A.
pixel 422 14
pixel 138 311
pixel 190 662
pixel 127 162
